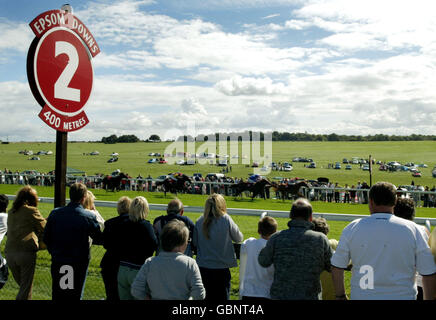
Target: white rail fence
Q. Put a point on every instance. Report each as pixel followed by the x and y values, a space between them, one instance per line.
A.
pixel 246 212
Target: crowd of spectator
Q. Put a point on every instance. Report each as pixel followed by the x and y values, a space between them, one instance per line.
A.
pixel 390 256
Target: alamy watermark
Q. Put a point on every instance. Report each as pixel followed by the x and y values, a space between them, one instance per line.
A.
pixel 244 148
pixel 67 280
pixel 367 280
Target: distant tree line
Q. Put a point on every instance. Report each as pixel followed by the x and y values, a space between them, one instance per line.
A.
pixel 277 136
pixel 128 138
pixel 299 136
pixel 124 138
pixel 287 136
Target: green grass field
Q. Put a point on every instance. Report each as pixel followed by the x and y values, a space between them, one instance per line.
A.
pixel 133 159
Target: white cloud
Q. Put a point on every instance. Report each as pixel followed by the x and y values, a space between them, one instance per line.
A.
pixel 250 86
pixel 16 37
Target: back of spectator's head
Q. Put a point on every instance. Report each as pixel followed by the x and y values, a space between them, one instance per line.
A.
pixel 214 208
pixel 405 208
pixel 4 202
pixel 175 206
pixel 25 196
pixel 123 205
pixel 89 200
pixel 174 234
pixel 267 226
pixel 320 225
pixel 77 192
pixel 301 209
pixel 383 194
pixel 138 209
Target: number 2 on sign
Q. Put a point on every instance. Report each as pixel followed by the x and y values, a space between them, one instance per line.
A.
pixel 61 89
pixel 52 119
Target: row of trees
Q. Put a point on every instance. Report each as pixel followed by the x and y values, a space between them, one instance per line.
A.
pixel 128 138
pixel 280 136
pixel 287 136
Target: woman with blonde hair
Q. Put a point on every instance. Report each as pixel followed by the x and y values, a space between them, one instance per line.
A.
pixel 137 242
pixel 25 230
pixel 214 235
pixel 89 205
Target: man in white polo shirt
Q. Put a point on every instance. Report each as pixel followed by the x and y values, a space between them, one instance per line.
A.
pixel 385 251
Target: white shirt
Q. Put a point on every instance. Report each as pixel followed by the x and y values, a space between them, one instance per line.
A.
pixel 394 248
pixel 257 280
pixel 3 225
pixel 3 229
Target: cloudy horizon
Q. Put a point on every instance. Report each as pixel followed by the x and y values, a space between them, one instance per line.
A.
pixel 317 66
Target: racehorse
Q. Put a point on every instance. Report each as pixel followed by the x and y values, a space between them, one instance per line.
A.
pixel 292 189
pixel 257 188
pixel 174 184
pixel 113 183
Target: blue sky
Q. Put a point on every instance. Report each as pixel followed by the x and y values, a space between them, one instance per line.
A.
pixel 320 66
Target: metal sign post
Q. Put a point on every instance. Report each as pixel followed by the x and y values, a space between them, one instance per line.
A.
pixel 60 75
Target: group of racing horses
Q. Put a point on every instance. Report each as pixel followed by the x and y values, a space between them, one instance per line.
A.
pixel 180 183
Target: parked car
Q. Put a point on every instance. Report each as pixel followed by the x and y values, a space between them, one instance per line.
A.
pixel 153 160
pixel 365 167
pixel 222 163
pixel 255 165
pixel 416 174
pixel 180 162
pixel 337 165
pixel 162 178
pixel 161 161
pixel 34 158
pixel 348 167
pixel 214 176
pixel 287 168
pixel 312 165
pixel 345 160
pixel 114 159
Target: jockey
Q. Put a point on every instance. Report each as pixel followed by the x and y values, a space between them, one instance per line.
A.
pixel 173 177
pixel 254 178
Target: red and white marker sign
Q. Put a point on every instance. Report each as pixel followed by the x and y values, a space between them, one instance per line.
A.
pixel 62 69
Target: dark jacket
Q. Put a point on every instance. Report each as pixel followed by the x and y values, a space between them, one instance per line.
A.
pixel 299 255
pixel 111 234
pixel 67 234
pixel 136 241
pixel 161 221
